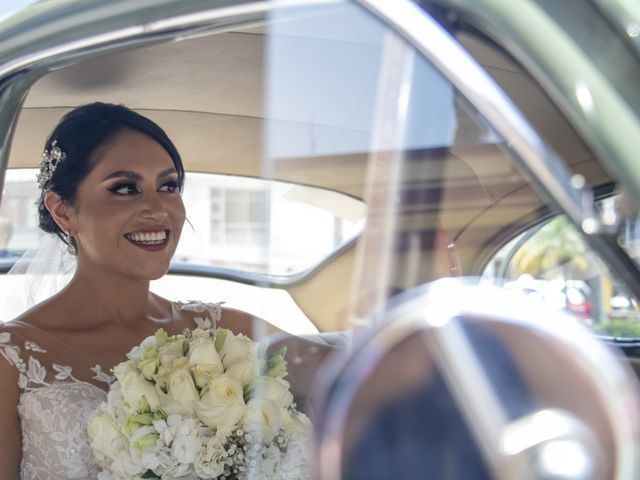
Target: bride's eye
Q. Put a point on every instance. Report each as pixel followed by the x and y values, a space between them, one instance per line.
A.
pixel 170 186
pixel 124 189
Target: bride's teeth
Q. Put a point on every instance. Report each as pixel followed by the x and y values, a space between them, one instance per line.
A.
pixel 148 237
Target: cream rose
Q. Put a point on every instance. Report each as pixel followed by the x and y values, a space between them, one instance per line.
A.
pixel 164 371
pixel 245 371
pixel 275 389
pixel 262 416
pixel 123 369
pixel 202 351
pixel 105 437
pixel 134 386
pixel 201 333
pixel 171 350
pixel 237 348
pixel 162 376
pixel 181 389
pixel 202 374
pixel 222 403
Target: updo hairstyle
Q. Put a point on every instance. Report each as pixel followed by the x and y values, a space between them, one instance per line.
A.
pixel 80 133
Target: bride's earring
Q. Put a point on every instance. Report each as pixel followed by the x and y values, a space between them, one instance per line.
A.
pixel 70 248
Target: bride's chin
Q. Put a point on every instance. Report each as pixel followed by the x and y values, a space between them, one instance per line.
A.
pixel 149 272
pixel 156 273
pixel 158 276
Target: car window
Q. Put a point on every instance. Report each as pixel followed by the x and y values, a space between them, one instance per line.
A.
pixel 232 220
pixel 552 262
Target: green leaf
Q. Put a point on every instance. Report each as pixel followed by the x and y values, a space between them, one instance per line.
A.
pixel 134 422
pixel 221 336
pixel 247 392
pixel 276 365
pixel 143 405
pixel 149 353
pixel 161 337
pixel 146 441
pixel 159 415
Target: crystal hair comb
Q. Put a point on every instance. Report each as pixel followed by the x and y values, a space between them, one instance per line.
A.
pixel 50 160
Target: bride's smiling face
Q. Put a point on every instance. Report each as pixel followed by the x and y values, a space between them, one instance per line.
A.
pixel 128 213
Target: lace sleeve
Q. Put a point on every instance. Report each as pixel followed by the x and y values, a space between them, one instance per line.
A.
pixel 209 313
pixel 11 354
pixel 31 372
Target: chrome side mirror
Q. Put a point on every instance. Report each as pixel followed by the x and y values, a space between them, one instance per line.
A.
pixel 469 381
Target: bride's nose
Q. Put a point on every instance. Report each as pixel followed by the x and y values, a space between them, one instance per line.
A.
pixel 153 207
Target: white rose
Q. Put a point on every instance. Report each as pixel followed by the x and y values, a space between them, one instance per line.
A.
pixel 262 416
pixel 149 342
pixel 161 377
pixel 222 404
pixel 203 374
pixel 134 386
pixel 181 389
pixel 273 388
pixel 237 348
pixel 201 333
pixel 163 373
pixel 105 437
pixel 171 351
pixel 244 371
pixel 123 369
pixel 202 351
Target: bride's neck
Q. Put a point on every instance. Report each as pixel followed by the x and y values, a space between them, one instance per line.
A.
pixel 109 299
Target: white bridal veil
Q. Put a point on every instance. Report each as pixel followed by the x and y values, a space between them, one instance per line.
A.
pixel 40 273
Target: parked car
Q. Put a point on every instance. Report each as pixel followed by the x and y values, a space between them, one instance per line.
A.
pixel 572 296
pixel 342 157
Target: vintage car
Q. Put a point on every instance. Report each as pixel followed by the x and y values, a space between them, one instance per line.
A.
pixel 389 178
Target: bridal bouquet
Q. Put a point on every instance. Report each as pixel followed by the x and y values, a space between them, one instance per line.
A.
pixel 206 404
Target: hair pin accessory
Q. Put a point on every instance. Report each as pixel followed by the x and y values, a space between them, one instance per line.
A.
pixel 50 160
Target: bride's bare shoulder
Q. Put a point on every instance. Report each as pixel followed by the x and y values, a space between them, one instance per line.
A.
pixel 45 313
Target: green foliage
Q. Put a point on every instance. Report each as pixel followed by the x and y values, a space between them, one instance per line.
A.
pixel 555 245
pixel 619 328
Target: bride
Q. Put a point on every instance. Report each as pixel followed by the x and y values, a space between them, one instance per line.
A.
pixel 111 183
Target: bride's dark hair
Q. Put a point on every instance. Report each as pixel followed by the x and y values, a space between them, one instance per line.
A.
pixel 80 133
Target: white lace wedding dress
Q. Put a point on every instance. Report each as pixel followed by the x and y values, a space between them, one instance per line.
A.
pixel 55 406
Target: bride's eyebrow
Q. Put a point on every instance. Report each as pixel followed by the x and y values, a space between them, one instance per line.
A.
pixel 136 176
pixel 166 172
pixel 123 173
